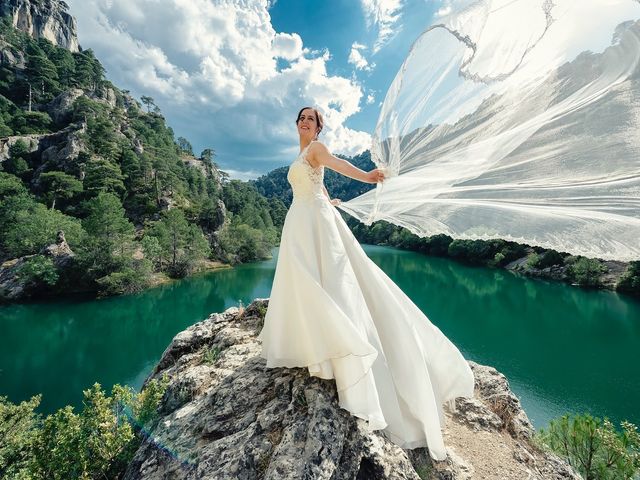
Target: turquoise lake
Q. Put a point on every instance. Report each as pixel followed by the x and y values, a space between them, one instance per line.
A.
pixel 563 349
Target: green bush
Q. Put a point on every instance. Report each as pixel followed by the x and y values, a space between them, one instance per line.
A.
pixel 533 260
pixel 242 243
pixel 438 244
pixel 38 270
pixel 630 280
pixel 593 447
pixel 18 430
pixel 586 271
pixel 131 279
pixel 98 442
pixel 471 251
pixel 547 259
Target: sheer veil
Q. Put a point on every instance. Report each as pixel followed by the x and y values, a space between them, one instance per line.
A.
pixel 520 120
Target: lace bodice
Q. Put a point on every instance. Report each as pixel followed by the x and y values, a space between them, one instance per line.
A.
pixel 305 180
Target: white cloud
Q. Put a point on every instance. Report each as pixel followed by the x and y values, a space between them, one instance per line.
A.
pixel 358 60
pixel 242 174
pixel 287 46
pixel 385 15
pixel 212 68
pixel 370 99
pixel 444 10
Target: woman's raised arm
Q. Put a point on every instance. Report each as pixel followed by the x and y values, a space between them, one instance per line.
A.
pixel 319 155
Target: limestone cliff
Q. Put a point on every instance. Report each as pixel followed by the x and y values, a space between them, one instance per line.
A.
pixel 43 19
pixel 225 416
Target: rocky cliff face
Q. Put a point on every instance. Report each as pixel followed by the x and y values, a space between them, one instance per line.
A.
pixel 225 416
pixel 43 19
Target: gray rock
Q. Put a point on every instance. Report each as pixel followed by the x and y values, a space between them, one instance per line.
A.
pixel 13 288
pixel 225 416
pixel 495 394
pixel 60 252
pixel 10 56
pixel 32 142
pixel 60 107
pixel 43 19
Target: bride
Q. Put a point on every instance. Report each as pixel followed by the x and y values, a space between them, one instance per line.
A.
pixel 334 311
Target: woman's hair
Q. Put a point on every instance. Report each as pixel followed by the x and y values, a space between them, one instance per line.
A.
pixel 318 117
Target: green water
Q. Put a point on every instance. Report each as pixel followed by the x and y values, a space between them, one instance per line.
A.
pixel 562 349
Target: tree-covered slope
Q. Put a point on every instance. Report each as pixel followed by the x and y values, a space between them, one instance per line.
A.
pixel 80 155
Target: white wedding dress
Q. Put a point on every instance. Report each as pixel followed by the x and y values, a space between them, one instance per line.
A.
pixel 333 310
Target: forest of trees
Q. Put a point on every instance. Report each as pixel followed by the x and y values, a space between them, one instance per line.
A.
pixel 133 201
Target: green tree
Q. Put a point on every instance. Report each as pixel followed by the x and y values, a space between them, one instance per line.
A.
pixel 185 145
pixel 110 233
pixel 42 73
pixel 101 135
pixel 10 185
pixel 98 442
pixel 89 71
pixel 59 185
pixel 18 429
pixel 28 226
pixel 182 244
pixel 585 271
pixel 593 447
pixel 207 155
pixel 148 102
pixel 38 270
pixel 241 243
pixel 629 281
pixel 17 163
pixel 103 176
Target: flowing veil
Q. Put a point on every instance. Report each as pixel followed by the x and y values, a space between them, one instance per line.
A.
pixel 520 120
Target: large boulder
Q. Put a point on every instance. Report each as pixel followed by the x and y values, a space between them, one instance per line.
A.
pixel 225 416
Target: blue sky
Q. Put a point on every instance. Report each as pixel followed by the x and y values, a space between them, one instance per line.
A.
pixel 231 75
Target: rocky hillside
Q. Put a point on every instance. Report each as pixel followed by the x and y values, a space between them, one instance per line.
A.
pixel 43 19
pixel 225 416
pixel 81 158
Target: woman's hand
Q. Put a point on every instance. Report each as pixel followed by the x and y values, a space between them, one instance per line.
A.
pixel 335 201
pixel 376 175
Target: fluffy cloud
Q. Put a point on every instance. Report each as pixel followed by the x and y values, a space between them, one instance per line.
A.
pixel 212 66
pixel 385 15
pixel 358 60
pixel 287 46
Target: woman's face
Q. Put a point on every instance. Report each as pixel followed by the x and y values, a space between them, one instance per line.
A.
pixel 307 123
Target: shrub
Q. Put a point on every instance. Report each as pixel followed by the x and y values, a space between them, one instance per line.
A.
pixel 586 271
pixel 471 251
pixel 549 258
pixel 129 280
pixel 498 259
pixel 593 447
pixel 533 260
pixel 98 442
pixel 18 428
pixel 38 270
pixel 630 280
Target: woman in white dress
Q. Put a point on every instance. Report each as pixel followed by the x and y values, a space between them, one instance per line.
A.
pixel 334 311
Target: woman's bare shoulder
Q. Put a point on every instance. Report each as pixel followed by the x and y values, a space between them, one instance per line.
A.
pixel 316 151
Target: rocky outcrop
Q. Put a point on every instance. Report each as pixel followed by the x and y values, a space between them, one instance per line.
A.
pixel 14 288
pixel 60 108
pixel 55 151
pixel 60 252
pixel 43 19
pixel 10 56
pixel 225 416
